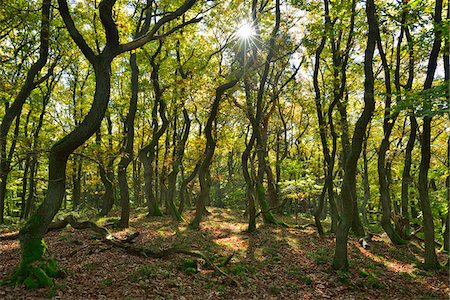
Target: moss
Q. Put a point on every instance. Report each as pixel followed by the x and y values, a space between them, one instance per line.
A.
pixel 30 283
pixel 42 277
pixel 51 268
pixel 189 263
pixel 35 271
pixel 33 250
pixel 190 271
pixel 268 217
pixel 156 211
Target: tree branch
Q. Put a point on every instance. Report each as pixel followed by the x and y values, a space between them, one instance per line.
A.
pixel 74 33
pixel 151 35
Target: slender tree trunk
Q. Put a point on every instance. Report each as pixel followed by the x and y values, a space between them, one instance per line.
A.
pixel 179 152
pixel 148 153
pixel 209 152
pixel 446 59
pixel 340 260
pixel 15 109
pixel 137 182
pixel 185 195
pixel 431 261
pixel 365 181
pixel 128 140
pixel 76 182
pixel 383 169
pixel 249 183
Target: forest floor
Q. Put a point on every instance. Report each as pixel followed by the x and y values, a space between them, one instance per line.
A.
pixel 273 263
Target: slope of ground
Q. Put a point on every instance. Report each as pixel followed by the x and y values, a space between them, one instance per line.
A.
pixel 273 263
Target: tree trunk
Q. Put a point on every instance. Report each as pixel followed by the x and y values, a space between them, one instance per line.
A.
pixel 76 182
pixel 137 188
pixel 15 109
pixel 32 233
pixel 148 153
pixel 249 183
pixel 446 59
pixel 179 152
pixel 340 260
pixel 184 193
pixel 431 261
pixel 209 152
pixel 365 181
pixel 128 140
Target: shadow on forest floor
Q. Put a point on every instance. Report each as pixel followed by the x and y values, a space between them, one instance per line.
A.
pixel 272 263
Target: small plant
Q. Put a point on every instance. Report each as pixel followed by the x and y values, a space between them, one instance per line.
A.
pixel 146 271
pixel 320 256
pixel 90 266
pixel 274 288
pixel 343 277
pixel 364 273
pixel 238 269
pixel 106 282
pixel 307 280
pixel 189 266
pixel 291 285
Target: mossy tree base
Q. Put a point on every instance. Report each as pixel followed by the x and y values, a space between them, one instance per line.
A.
pixel 35 270
pixel 155 211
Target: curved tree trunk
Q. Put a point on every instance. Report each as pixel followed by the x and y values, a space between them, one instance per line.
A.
pixel 431 261
pixel 148 153
pixel 33 231
pixel 323 136
pixel 15 109
pixel 172 178
pixel 388 124
pixel 340 260
pixel 128 140
pixel 250 184
pixel 209 152
pixel 406 175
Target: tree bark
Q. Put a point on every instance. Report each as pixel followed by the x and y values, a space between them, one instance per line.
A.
pixel 340 260
pixel 148 153
pixel 31 235
pixel 431 261
pixel 388 125
pixel 15 109
pixel 365 181
pixel 179 152
pixel 128 140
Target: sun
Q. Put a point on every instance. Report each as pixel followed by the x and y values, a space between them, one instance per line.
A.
pixel 246 31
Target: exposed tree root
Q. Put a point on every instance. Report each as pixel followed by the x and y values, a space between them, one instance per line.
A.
pixel 128 247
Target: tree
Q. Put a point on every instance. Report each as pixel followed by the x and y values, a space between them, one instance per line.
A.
pixel 340 260
pixel 14 110
pixel 431 261
pixel 32 244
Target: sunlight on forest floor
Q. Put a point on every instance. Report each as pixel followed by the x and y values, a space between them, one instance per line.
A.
pixel 273 263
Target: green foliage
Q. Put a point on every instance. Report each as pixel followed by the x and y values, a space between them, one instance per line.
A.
pixel 321 256
pixel 107 282
pixel 189 266
pixel 274 288
pixel 143 272
pixel 30 283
